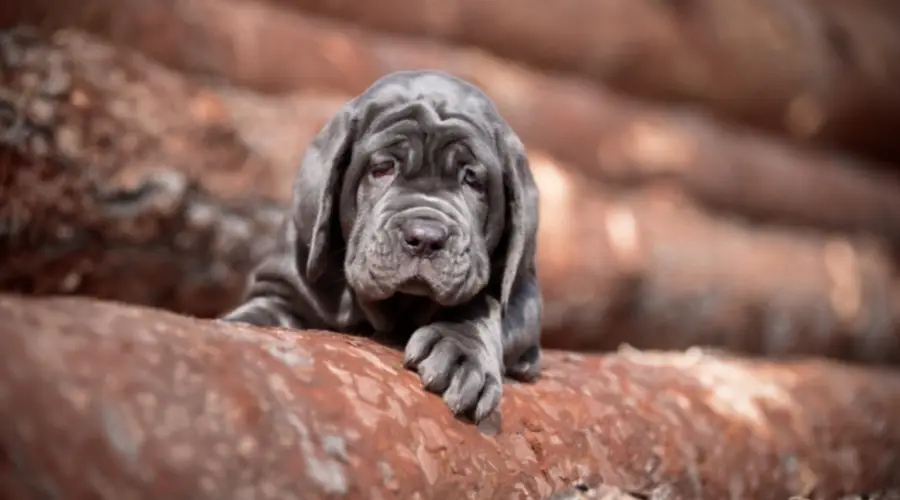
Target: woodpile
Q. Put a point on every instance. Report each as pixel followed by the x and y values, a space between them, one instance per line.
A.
pixel 185 193
pixel 823 71
pixel 717 174
pixel 115 401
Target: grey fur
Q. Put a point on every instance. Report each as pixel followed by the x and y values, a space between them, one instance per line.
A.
pixel 415 146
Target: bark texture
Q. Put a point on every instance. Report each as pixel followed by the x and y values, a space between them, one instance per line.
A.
pixel 104 195
pixel 99 161
pixel 823 72
pixel 91 103
pixel 101 400
pixel 614 139
pixel 650 268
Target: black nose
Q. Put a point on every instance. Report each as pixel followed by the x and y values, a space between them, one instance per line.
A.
pixel 423 236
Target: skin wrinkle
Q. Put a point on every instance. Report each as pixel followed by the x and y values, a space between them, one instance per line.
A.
pixel 443 154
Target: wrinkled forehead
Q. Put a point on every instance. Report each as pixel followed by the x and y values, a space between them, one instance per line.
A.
pixel 433 104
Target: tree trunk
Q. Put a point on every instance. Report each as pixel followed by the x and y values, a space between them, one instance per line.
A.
pixel 615 140
pixel 822 72
pixel 131 403
pixel 85 212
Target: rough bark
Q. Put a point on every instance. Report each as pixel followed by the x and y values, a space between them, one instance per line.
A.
pixel 123 114
pixel 649 268
pixel 99 163
pixel 823 72
pixel 635 265
pixel 638 261
pixel 615 139
pixel 113 401
pixel 163 241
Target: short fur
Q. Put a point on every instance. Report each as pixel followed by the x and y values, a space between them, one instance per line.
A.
pixel 415 146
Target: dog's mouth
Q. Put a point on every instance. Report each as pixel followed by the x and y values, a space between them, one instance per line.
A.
pixel 415 286
pixel 418 282
pixel 415 276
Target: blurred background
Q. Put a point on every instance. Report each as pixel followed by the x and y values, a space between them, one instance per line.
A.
pixel 712 172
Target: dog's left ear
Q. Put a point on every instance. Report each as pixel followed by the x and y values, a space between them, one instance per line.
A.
pixel 318 183
pixel 516 249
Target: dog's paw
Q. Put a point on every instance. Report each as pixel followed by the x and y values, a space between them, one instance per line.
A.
pixel 458 367
pixel 262 312
pixel 527 368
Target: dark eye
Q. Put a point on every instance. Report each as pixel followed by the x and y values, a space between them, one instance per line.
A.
pixel 383 168
pixel 470 178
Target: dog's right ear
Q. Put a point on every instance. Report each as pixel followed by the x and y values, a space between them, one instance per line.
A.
pixel 318 185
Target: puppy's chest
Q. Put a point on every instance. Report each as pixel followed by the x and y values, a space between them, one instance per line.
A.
pixel 393 320
pixel 349 317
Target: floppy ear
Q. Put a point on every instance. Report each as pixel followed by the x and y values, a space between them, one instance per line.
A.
pixel 318 184
pixel 517 245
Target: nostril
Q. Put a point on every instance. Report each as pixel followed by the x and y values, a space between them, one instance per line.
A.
pixel 424 236
pixel 412 240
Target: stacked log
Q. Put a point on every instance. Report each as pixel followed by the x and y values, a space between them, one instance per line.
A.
pixel 691 196
pixel 615 139
pixel 116 401
pixel 822 73
pixel 179 223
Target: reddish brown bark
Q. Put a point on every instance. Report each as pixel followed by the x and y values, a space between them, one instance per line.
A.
pixel 99 167
pixel 87 102
pixel 633 265
pixel 181 232
pixel 823 72
pixel 133 403
pixel 161 242
pixel 649 268
pixel 613 138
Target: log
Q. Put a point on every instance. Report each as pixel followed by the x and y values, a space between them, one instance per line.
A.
pixel 163 241
pixel 617 140
pixel 123 114
pixel 817 71
pixel 601 492
pixel 820 72
pixel 183 234
pixel 650 268
pixel 100 161
pixel 103 400
pixel 635 265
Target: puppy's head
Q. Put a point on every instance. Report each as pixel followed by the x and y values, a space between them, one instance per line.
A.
pixel 417 186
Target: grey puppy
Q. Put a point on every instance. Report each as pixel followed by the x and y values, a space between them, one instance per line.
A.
pixel 414 218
